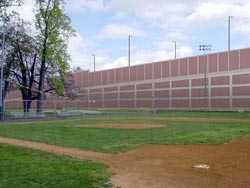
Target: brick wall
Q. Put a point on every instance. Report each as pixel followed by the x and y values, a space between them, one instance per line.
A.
pixel 176 83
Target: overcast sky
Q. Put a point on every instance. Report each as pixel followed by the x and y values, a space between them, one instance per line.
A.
pixel 103 27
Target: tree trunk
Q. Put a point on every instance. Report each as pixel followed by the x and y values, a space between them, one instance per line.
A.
pixel 26 107
pixel 27 101
pixel 40 97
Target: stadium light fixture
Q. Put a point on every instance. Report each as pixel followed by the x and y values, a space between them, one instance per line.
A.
pixel 204 48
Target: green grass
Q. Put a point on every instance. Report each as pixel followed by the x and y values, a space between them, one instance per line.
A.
pixel 25 168
pixel 66 133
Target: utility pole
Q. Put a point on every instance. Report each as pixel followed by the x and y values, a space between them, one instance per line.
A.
pixel 229 31
pixel 2 63
pixel 129 37
pixel 174 49
pixel 94 61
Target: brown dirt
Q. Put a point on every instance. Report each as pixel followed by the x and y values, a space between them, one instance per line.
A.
pixel 180 119
pixel 168 166
pixel 123 126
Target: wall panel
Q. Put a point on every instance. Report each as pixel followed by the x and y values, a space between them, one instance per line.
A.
pixel 223 61
pixel 143 94
pixel 141 72
pixel 133 73
pixel 118 75
pixel 180 93
pixel 149 71
pixel 245 57
pixel 184 67
pixel 161 94
pixel 158 85
pixel 241 91
pixel 180 83
pixel 127 104
pixel 144 86
pixel 104 77
pixel 126 74
pixel 202 64
pixel 220 80
pixel 166 69
pixel 220 103
pixel 157 70
pixel 212 65
pixel 127 87
pixel 241 103
pixel 198 103
pixel 223 91
pixel 144 103
pixel 174 68
pixel 180 103
pixel 241 79
pixel 193 65
pixel 234 63
pixel 127 95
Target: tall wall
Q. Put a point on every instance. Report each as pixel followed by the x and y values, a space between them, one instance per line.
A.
pixel 176 83
pixel 180 83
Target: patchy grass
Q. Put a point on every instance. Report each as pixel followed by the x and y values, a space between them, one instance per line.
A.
pixel 68 133
pixel 25 168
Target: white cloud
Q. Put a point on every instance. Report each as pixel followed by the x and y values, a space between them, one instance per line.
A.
pixel 212 14
pixel 164 44
pixel 26 10
pixel 148 56
pixel 177 35
pixel 119 31
pixel 119 62
pixel 171 19
pixel 80 50
pixel 81 5
pixel 148 8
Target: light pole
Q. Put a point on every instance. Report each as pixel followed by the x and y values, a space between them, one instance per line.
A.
pixel 129 37
pixel 94 61
pixel 174 49
pixel 229 32
pixel 2 62
pixel 205 48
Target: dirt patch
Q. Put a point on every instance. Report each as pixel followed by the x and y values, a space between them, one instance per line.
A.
pixel 179 119
pixel 168 166
pixel 123 126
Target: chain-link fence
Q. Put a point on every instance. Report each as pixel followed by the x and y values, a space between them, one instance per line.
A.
pixel 24 109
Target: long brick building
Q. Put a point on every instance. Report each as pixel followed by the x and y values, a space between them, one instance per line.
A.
pixel 213 81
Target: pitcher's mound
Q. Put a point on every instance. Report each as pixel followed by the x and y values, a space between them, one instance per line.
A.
pixel 124 126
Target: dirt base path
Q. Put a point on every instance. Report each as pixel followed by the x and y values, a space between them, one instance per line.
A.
pixel 168 166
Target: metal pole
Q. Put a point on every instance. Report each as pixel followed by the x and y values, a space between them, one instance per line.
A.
pixel 94 61
pixel 129 49
pixel 205 86
pixel 229 32
pixel 2 62
pixel 174 49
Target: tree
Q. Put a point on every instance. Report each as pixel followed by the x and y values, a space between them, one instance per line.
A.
pixel 4 17
pixel 22 60
pixel 54 29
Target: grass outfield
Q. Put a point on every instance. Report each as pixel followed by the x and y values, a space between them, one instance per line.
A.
pixel 68 133
pixel 25 168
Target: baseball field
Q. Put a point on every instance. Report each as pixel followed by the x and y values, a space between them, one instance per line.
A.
pixel 130 150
